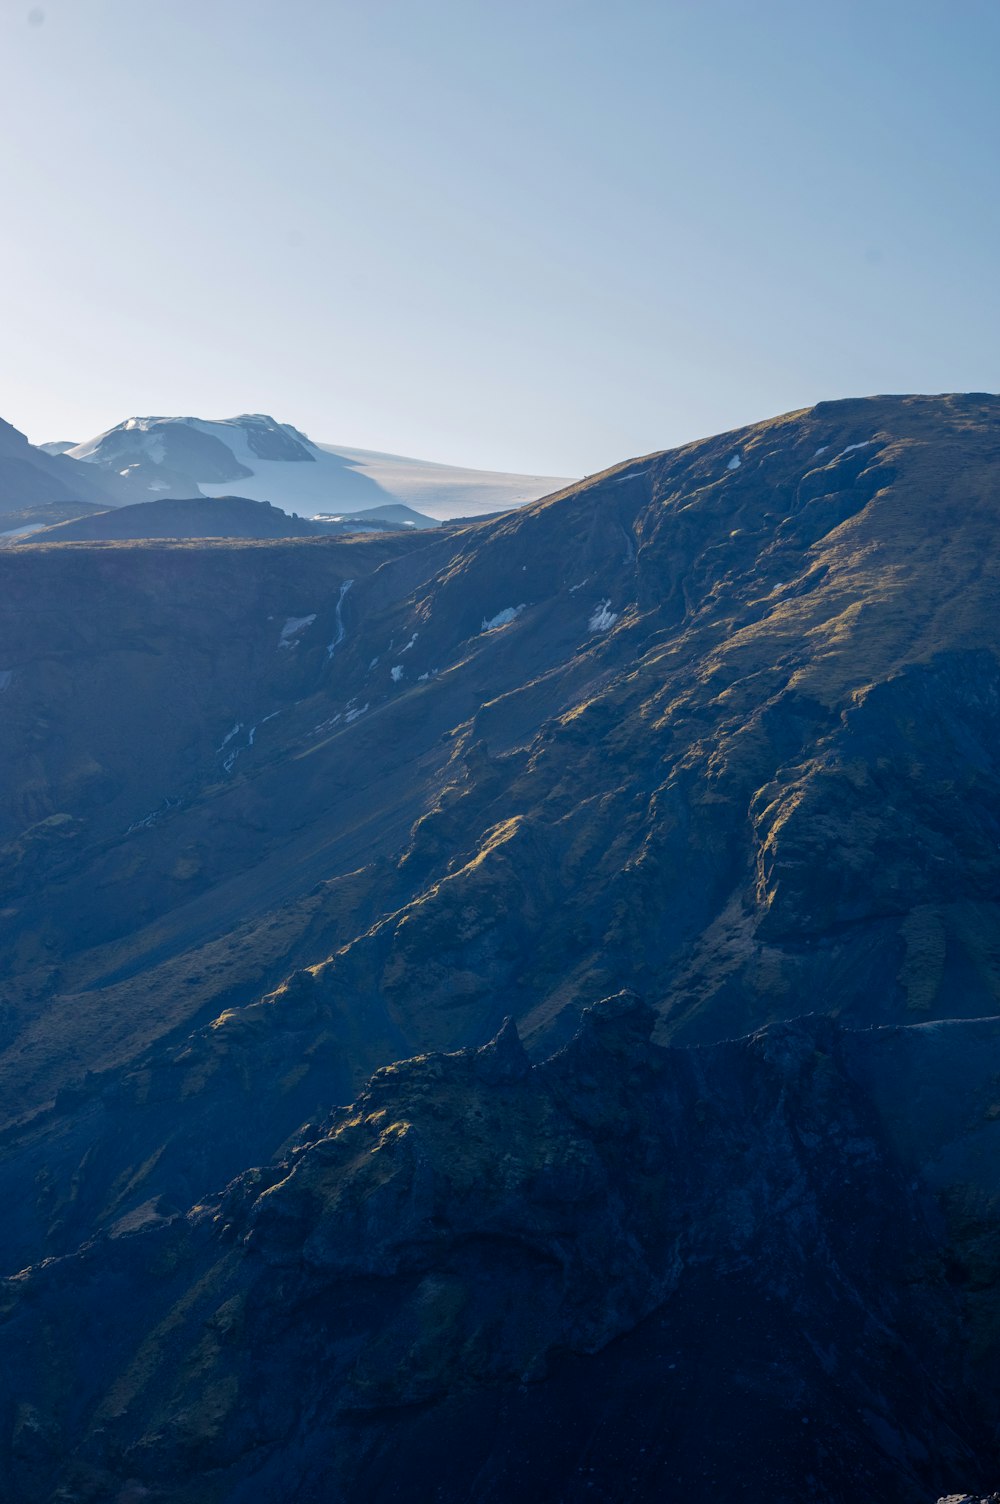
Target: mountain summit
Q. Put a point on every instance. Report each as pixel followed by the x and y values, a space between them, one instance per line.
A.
pixel 257 457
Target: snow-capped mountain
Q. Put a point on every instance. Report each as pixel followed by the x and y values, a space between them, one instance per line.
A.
pixel 260 458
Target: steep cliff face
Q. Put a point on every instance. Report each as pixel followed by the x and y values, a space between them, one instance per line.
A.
pixel 626 1272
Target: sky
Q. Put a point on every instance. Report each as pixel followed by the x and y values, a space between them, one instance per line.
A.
pixel 536 235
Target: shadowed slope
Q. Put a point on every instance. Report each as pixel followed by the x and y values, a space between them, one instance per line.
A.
pixel 184 517
pixel 32 480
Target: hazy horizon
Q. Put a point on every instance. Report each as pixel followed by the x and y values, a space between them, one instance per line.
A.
pixel 537 240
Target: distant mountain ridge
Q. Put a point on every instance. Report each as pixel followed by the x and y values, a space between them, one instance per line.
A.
pixel 31 477
pixel 212 517
pixel 257 457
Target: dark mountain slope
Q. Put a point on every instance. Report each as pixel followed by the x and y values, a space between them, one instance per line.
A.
pixel 30 519
pixel 197 517
pixel 760 1270
pixel 31 478
pixel 395 512
pixel 737 749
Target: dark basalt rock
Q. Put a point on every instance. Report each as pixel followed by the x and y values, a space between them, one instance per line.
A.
pixel 504 1059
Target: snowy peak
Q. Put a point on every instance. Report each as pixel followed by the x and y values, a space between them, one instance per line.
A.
pixel 164 456
pixel 275 462
pixel 260 435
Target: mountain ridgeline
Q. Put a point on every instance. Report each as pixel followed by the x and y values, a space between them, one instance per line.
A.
pixel 167 464
pixel 631 863
pixel 35 482
pixel 254 456
pixel 212 517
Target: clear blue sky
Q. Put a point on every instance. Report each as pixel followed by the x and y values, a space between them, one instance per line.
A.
pixel 535 235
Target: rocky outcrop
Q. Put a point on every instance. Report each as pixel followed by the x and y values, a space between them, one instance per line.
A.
pixel 667 1258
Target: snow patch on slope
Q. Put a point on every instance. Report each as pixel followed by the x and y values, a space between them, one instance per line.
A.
pixel 865 444
pixel 603 618
pixel 292 628
pixel 229 736
pixel 502 618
